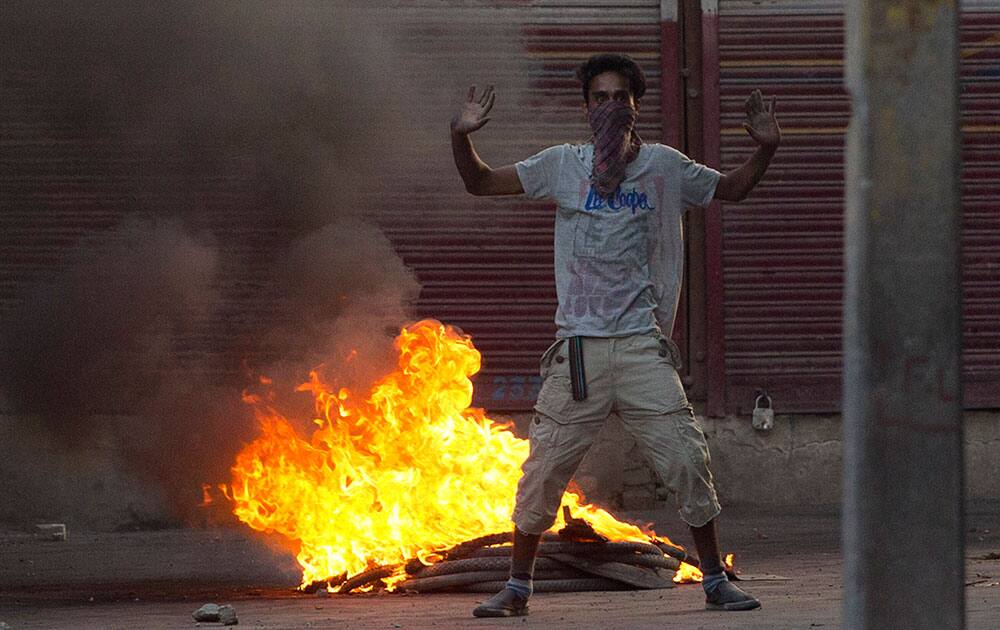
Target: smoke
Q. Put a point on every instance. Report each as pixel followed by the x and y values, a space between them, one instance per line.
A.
pixel 245 154
pixel 97 339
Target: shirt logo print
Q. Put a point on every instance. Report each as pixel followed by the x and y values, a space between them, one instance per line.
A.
pixel 619 201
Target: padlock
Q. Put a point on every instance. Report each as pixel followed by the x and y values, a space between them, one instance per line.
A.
pixel 763 417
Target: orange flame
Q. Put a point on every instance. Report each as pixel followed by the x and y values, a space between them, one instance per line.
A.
pixel 206 495
pixel 687 573
pixel 402 472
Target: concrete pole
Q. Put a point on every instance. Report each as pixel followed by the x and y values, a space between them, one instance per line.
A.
pixel 903 464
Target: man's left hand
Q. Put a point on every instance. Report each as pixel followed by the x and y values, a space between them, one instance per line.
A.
pixel 761 123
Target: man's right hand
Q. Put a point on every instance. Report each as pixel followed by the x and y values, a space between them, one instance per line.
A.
pixel 479 178
pixel 473 113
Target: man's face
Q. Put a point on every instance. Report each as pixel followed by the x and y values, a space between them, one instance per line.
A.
pixel 609 86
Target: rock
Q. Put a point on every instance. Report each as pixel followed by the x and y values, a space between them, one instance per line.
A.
pixel 4 626
pixel 227 616
pixel 208 612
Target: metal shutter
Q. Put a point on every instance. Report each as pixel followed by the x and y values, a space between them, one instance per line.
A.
pixel 981 202
pixel 781 249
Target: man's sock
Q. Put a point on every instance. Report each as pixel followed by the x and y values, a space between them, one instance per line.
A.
pixel 710 582
pixel 706 540
pixel 521 585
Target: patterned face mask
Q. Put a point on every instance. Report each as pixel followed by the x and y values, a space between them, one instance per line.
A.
pixel 615 144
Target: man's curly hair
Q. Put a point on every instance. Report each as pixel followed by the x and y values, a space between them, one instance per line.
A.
pixel 612 62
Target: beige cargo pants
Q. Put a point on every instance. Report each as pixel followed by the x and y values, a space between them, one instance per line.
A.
pixel 635 377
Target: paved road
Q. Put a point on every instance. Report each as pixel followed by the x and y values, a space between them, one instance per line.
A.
pixel 155 579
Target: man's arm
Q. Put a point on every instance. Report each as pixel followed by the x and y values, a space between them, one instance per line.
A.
pixel 479 178
pixel 763 128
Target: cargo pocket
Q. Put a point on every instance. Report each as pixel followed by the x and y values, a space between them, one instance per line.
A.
pixel 548 356
pixel 693 442
pixel 542 432
pixel 555 397
pixel 668 351
pixel 674 352
pixel 557 391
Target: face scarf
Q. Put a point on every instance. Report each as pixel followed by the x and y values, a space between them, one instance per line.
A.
pixel 615 144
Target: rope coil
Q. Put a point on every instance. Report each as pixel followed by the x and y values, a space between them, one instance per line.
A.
pixel 482 564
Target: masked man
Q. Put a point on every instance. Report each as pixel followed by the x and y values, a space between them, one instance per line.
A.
pixel 618 268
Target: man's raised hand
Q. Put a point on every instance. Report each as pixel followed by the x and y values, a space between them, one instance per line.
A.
pixel 473 114
pixel 761 123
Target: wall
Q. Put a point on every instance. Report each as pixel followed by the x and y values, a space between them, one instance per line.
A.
pixel 798 463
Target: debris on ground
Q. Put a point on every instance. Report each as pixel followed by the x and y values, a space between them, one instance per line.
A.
pixel 483 565
pixel 227 615
pixel 982 583
pixel 50 531
pixel 4 626
pixel 208 612
pixel 579 530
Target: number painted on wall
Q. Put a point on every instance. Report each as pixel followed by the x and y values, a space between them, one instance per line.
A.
pixel 515 388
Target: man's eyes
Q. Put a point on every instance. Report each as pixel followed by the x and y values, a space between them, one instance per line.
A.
pixel 623 97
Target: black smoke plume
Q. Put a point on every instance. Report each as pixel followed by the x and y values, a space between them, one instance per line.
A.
pixel 240 156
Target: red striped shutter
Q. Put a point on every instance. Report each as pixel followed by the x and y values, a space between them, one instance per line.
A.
pixel 781 249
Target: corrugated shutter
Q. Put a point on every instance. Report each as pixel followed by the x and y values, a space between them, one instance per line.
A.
pixel 60 187
pixel 486 265
pixel 56 188
pixel 782 247
pixel 782 253
pixel 981 201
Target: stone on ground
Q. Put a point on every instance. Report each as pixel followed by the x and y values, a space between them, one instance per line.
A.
pixel 227 615
pixel 208 612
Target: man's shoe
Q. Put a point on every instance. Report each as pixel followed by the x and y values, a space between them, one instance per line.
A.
pixel 728 596
pixel 506 603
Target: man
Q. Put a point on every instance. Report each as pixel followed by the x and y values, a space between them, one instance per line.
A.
pixel 618 267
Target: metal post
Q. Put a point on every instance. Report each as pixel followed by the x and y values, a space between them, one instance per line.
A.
pixel 903 468
pixel 711 121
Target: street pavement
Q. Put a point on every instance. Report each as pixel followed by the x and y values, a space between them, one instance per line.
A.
pixel 791 560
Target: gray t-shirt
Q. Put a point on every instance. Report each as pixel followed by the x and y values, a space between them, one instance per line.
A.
pixel 618 263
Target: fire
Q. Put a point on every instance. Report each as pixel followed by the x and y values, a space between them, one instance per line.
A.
pixel 206 495
pixel 687 573
pixel 403 471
